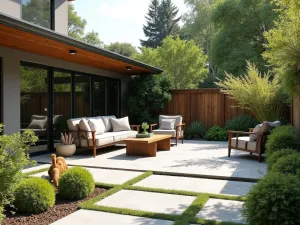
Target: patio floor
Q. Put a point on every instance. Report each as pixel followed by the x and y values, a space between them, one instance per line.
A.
pixel 193 157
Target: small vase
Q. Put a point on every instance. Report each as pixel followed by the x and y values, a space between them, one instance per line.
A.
pixel 65 150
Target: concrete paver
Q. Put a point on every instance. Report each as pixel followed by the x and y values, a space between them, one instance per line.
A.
pixel 196 184
pixel 148 201
pixel 90 217
pixel 222 210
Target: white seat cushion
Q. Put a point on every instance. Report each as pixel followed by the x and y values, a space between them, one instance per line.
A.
pixel 171 132
pixel 122 135
pixel 102 139
pixel 242 143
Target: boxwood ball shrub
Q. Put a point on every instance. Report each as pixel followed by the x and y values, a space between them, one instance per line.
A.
pixel 272 159
pixel 195 130
pixel 216 133
pixel 289 164
pixel 241 123
pixel 281 137
pixel 76 183
pixel 34 195
pixel 274 200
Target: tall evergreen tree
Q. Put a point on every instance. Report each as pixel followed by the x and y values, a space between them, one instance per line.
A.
pixel 161 21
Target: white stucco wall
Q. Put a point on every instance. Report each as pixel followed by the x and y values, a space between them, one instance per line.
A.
pixel 11 81
pixel 61 16
pixel 11 8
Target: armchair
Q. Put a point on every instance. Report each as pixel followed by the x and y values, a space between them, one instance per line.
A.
pixel 177 132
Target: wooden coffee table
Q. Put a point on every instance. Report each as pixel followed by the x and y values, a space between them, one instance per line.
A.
pixel 148 146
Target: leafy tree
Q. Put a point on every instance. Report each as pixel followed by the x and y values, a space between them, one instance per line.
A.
pixel 183 62
pixel 283 48
pixel 125 49
pixel 13 157
pixel 76 27
pixel 259 93
pixel 241 25
pixel 92 38
pixel 199 26
pixel 37 12
pixel 161 21
pixel 146 96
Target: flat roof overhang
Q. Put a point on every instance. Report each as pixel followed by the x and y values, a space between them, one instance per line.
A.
pixel 21 35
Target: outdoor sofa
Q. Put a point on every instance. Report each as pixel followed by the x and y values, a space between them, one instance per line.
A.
pixel 99 132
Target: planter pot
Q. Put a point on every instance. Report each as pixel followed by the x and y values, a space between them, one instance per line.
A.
pixel 65 150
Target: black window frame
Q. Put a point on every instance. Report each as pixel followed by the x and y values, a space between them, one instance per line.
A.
pixel 50 92
pixel 52 14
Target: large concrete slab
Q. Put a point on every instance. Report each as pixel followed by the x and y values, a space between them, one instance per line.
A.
pixel 196 184
pixel 192 157
pixel 90 217
pixel 222 210
pixel 105 175
pixel 148 201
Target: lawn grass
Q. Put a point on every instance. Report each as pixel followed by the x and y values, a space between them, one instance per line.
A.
pixel 186 218
pixel 36 171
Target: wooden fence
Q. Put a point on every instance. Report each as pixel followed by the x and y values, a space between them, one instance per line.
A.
pixel 209 106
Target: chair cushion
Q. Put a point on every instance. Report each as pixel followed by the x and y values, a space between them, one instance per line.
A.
pixel 37 124
pixel 170 132
pixel 122 135
pixel 96 124
pixel 121 124
pixel 84 126
pixel 107 123
pixel 178 119
pixel 103 139
pixel 167 124
pixel 38 117
pixel 260 128
pixel 251 145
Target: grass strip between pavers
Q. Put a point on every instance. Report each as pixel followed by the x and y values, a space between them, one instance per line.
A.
pixel 36 171
pixel 186 218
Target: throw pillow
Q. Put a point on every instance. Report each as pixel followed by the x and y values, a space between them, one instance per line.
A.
pixel 260 128
pixel 73 125
pixel 97 125
pixel 167 124
pixel 121 124
pixel 37 124
pixel 107 123
pixel 84 126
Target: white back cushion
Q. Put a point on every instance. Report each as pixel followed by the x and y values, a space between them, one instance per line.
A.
pixel 84 126
pixel 178 119
pixel 97 125
pixel 73 125
pixel 107 123
pixel 121 124
pixel 167 124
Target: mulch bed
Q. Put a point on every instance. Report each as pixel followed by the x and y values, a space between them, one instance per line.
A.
pixel 61 209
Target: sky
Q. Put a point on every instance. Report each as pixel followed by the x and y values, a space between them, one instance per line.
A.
pixel 117 20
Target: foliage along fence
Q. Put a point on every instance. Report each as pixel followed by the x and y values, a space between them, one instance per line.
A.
pixel 208 105
pixel 296 113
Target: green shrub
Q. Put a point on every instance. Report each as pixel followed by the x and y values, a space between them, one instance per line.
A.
pixel 273 158
pixel 274 200
pixel 76 183
pixel 217 133
pixel 241 123
pixel 289 164
pixel 280 138
pixel 13 157
pixel 195 130
pixel 34 195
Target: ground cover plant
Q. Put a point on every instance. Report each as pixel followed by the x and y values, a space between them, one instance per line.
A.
pixel 195 130
pixel 216 133
pixel 241 123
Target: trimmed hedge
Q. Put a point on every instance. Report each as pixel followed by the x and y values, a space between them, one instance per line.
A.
pixel 274 200
pixel 280 138
pixel 195 130
pixel 216 133
pixel 241 123
pixel 76 183
pixel 34 195
pixel 272 159
pixel 289 164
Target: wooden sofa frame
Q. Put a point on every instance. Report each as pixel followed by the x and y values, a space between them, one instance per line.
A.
pixel 178 136
pixel 94 147
pixel 260 142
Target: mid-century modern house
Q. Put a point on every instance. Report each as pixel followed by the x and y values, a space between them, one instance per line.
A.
pixel 46 73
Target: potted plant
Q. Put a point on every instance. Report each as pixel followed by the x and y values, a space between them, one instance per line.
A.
pixel 145 126
pixel 66 148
